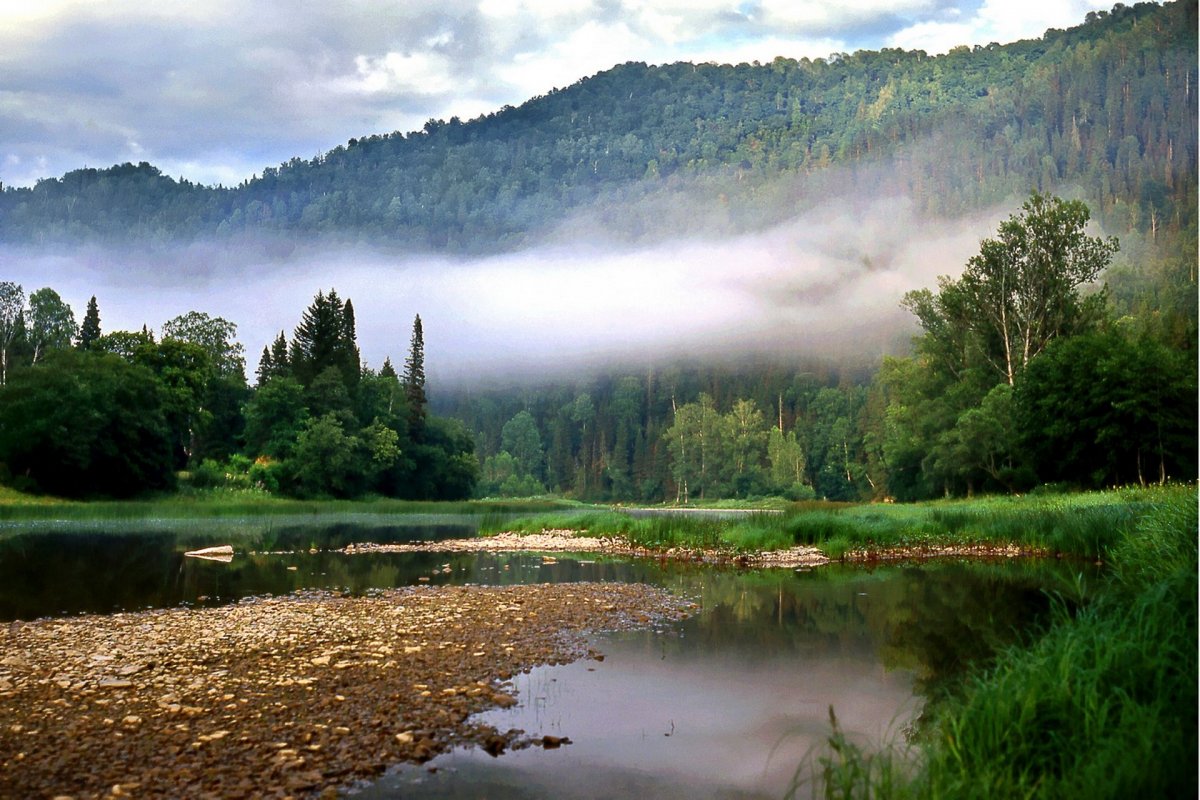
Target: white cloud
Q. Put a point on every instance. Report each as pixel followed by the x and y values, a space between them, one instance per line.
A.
pixel 426 73
pixel 996 21
pixel 823 14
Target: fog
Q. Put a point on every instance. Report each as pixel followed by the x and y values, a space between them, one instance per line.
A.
pixel 827 283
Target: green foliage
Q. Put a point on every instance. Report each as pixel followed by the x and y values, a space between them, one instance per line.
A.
pixel 275 415
pixel 327 461
pixel 1101 409
pixel 1020 291
pixel 414 380
pixel 89 330
pixel 325 339
pixel 12 310
pixel 520 438
pixel 216 336
pixel 84 423
pixel 51 323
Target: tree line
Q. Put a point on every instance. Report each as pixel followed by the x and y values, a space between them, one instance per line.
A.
pixel 1024 374
pixel 86 413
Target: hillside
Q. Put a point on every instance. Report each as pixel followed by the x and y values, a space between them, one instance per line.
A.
pixel 1106 110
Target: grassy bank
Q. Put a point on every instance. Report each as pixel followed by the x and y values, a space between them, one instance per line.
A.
pixel 1086 525
pixel 1103 705
pixel 17 507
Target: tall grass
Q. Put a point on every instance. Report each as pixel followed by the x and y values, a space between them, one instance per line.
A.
pixel 1080 525
pixel 1103 705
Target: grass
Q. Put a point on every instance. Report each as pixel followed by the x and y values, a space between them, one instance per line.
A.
pixel 1086 525
pixel 17 508
pixel 1104 704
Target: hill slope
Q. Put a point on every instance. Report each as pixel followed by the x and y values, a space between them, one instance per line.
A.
pixel 1108 107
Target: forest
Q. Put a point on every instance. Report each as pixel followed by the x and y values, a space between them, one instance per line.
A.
pixel 1020 379
pixel 85 413
pixel 1058 357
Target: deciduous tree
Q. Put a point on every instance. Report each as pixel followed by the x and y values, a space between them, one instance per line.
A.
pixel 51 324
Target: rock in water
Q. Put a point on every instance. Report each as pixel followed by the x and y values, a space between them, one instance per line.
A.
pixel 222 552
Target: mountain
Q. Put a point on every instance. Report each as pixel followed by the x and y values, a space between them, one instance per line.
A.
pixel 1106 110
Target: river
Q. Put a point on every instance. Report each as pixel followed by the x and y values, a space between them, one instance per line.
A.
pixel 728 703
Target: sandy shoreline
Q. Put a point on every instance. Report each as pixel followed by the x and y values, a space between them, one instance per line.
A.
pixel 286 696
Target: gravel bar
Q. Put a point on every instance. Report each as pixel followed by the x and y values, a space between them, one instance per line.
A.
pixel 287 696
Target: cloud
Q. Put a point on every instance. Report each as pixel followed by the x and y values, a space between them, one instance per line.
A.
pixel 995 21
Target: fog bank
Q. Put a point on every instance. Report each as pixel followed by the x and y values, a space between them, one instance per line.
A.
pixel 827 283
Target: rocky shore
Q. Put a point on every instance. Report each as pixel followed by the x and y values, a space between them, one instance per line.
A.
pixel 566 541
pixel 286 696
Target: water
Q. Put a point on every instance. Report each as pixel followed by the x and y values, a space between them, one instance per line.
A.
pixel 725 704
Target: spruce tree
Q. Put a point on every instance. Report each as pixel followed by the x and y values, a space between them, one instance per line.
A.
pixel 89 331
pixel 324 339
pixel 279 356
pixel 351 364
pixel 414 380
pixel 266 367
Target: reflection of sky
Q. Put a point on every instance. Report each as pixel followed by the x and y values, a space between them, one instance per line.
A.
pixel 739 724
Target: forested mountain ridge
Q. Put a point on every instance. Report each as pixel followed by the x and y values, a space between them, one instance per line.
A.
pixel 1106 109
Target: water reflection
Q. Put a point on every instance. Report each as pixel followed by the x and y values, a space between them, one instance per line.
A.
pixel 725 704
pixel 728 703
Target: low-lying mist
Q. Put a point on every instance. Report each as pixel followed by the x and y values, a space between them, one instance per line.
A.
pixel 825 284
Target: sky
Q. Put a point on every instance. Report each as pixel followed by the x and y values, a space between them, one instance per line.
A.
pixel 215 91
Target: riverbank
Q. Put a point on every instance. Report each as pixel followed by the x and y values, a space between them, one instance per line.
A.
pixel 569 541
pixel 276 697
pixel 1085 525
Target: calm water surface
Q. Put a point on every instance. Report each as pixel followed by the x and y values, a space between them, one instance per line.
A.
pixel 725 704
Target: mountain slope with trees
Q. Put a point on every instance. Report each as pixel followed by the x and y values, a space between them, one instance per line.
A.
pixel 1108 107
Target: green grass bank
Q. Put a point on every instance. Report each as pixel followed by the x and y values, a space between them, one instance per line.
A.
pixel 1085 525
pixel 1103 705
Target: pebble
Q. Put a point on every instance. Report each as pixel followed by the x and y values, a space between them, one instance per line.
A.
pixel 247 700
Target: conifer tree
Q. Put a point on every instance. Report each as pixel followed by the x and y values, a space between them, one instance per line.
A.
pixel 324 339
pixel 89 331
pixel 266 367
pixel 414 380
pixel 279 356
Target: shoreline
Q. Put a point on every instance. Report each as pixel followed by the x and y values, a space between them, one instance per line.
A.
pixel 284 696
pixel 798 557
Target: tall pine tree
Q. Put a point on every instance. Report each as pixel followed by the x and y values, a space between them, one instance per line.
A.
pixel 324 339
pixel 414 381
pixel 89 331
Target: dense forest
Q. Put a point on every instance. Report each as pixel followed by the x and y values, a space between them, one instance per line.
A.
pixel 1023 376
pixel 1057 356
pixel 87 413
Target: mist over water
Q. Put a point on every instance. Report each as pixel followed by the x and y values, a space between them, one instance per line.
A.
pixel 828 283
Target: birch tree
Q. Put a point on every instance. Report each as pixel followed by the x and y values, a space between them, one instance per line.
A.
pixel 1024 288
pixel 51 322
pixel 12 313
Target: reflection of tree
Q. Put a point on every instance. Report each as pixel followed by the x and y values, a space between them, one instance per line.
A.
pixel 955 616
pixel 934 620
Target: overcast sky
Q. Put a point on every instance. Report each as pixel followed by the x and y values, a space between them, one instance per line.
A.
pixel 214 91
